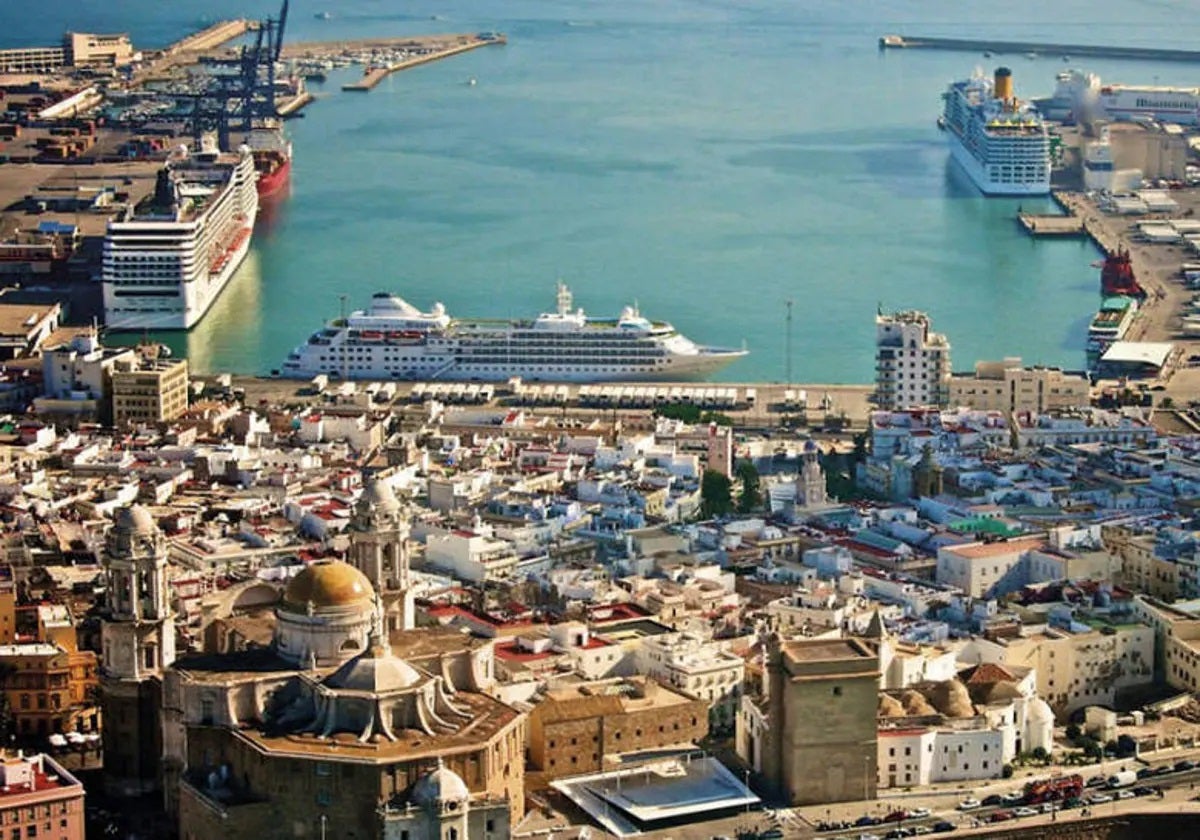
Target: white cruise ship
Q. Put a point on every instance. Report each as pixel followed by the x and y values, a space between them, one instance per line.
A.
pixel 1002 144
pixel 394 340
pixel 168 259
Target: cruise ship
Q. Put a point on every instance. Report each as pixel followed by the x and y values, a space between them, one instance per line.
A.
pixel 168 259
pixel 392 339
pixel 1001 143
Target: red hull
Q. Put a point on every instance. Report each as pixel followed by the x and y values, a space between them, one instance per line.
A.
pixel 1117 277
pixel 273 181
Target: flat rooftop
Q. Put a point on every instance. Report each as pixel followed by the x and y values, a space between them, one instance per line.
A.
pixel 827 650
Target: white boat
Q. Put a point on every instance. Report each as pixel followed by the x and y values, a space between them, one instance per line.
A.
pixel 392 339
pixel 168 259
pixel 1000 142
pixel 1151 102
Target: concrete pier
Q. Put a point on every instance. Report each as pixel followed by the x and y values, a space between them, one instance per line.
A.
pixel 1044 48
pixel 375 75
pixel 1041 224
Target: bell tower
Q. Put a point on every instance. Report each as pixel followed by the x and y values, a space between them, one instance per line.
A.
pixel 138 641
pixel 379 532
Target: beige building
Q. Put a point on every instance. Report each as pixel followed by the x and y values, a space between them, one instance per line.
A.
pixel 87 48
pixel 820 742
pixel 1141 569
pixel 574 728
pixel 154 391
pixel 1007 386
pixel 1177 634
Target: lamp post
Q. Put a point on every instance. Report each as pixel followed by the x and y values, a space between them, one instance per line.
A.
pixel 324 819
pixel 866 776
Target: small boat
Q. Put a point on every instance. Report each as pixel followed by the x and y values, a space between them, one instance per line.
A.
pixel 322 16
pixel 471 82
pixel 1031 55
pixel 987 53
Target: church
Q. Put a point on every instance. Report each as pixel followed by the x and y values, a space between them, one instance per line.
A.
pixel 350 724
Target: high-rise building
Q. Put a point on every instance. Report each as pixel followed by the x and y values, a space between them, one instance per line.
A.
pixel 138 641
pixel 821 731
pixel 912 363
pixel 152 391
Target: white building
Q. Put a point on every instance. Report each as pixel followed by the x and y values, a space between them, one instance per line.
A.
pixel 475 556
pixel 912 363
pixel 981 569
pixel 702 667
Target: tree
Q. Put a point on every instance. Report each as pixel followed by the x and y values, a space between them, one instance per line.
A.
pixel 1126 746
pixel 1040 754
pixel 1007 771
pixel 1091 747
pixel 748 473
pixel 1073 733
pixel 716 494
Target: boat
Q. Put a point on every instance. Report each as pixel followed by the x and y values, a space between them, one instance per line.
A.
pixel 272 158
pixel 169 257
pixel 560 346
pixel 1117 278
pixel 1150 102
pixel 1001 143
pixel 1110 325
pixel 322 16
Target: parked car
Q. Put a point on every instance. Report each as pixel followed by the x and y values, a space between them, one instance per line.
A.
pixel 1143 790
pixel 898 834
pixel 1126 794
pixel 994 799
pixel 1097 781
pixel 1000 816
pixel 1145 773
pixel 866 820
pixel 921 829
pixel 969 804
pixel 1014 798
pixel 944 826
pixel 1025 812
pixel 1099 798
pixel 896 816
pixel 1180 766
pixel 1047 807
pixel 919 813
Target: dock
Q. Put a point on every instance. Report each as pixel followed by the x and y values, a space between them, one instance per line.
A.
pixel 1044 224
pixel 211 36
pixel 920 42
pixel 375 75
pixel 292 104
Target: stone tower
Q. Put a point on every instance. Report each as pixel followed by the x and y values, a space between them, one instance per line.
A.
pixel 810 485
pixel 379 534
pixel 138 641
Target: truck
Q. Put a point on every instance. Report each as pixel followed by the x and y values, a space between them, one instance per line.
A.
pixel 1053 788
pixel 1123 779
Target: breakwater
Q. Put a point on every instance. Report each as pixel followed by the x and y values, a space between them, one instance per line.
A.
pixel 1047 48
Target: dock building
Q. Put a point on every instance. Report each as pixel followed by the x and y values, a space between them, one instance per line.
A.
pixel 1007 386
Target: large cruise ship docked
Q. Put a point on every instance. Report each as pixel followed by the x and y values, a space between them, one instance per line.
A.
pixel 392 339
pixel 1001 143
pixel 168 259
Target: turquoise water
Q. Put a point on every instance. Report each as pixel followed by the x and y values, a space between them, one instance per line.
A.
pixel 708 160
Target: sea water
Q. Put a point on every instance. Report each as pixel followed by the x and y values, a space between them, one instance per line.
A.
pixel 708 161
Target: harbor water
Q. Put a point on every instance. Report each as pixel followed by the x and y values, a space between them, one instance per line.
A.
pixel 709 160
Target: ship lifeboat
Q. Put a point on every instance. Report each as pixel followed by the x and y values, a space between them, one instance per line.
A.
pixel 371 335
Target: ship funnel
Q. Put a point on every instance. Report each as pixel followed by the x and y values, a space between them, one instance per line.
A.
pixel 1002 87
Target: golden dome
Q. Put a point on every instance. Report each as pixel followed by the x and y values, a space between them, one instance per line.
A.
pixel 328 583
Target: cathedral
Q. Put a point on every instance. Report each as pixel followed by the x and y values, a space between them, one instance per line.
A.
pixel 350 724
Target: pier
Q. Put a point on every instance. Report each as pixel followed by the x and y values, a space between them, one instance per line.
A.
pixel 1043 224
pixel 211 36
pixel 920 42
pixel 375 75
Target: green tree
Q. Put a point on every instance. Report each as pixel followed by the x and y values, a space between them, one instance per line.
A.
pixel 748 474
pixel 716 494
pixel 1073 733
pixel 1040 754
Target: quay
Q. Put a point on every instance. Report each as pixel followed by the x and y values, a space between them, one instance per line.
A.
pixel 1095 50
pixel 374 76
pixel 211 36
pixel 1043 224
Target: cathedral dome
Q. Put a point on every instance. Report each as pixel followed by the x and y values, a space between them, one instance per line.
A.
pixel 376 672
pixel 442 785
pixel 135 519
pixel 328 583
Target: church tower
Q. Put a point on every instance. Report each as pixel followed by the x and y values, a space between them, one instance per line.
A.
pixel 379 534
pixel 810 485
pixel 138 641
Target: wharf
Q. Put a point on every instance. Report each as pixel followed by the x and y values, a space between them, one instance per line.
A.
pixel 1042 224
pixel 211 36
pixel 292 104
pixel 376 75
pixel 1042 48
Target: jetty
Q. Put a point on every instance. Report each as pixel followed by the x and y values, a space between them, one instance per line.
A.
pixel 375 75
pixel 1047 224
pixel 921 42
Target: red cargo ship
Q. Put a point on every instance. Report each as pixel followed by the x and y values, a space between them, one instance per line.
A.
pixel 272 159
pixel 1116 277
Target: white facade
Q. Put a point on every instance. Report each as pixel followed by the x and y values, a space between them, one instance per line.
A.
pixel 980 569
pixel 912 363
pixel 474 556
pixel 922 756
pixel 702 668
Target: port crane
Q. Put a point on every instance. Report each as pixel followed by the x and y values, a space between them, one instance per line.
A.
pixel 239 92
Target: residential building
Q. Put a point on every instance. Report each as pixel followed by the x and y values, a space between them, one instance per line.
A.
pixel 1007 386
pixel 39 798
pixel 86 48
pixel 820 741
pixel 153 391
pixel 912 363
pixel 700 667
pixel 575 727
pixel 23 327
pixel 77 378
pixel 982 569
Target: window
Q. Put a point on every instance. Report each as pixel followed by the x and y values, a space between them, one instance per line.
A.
pixel 323 797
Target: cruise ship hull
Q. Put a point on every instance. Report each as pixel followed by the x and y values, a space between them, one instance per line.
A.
pixel 679 369
pixel 979 177
pixel 198 305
